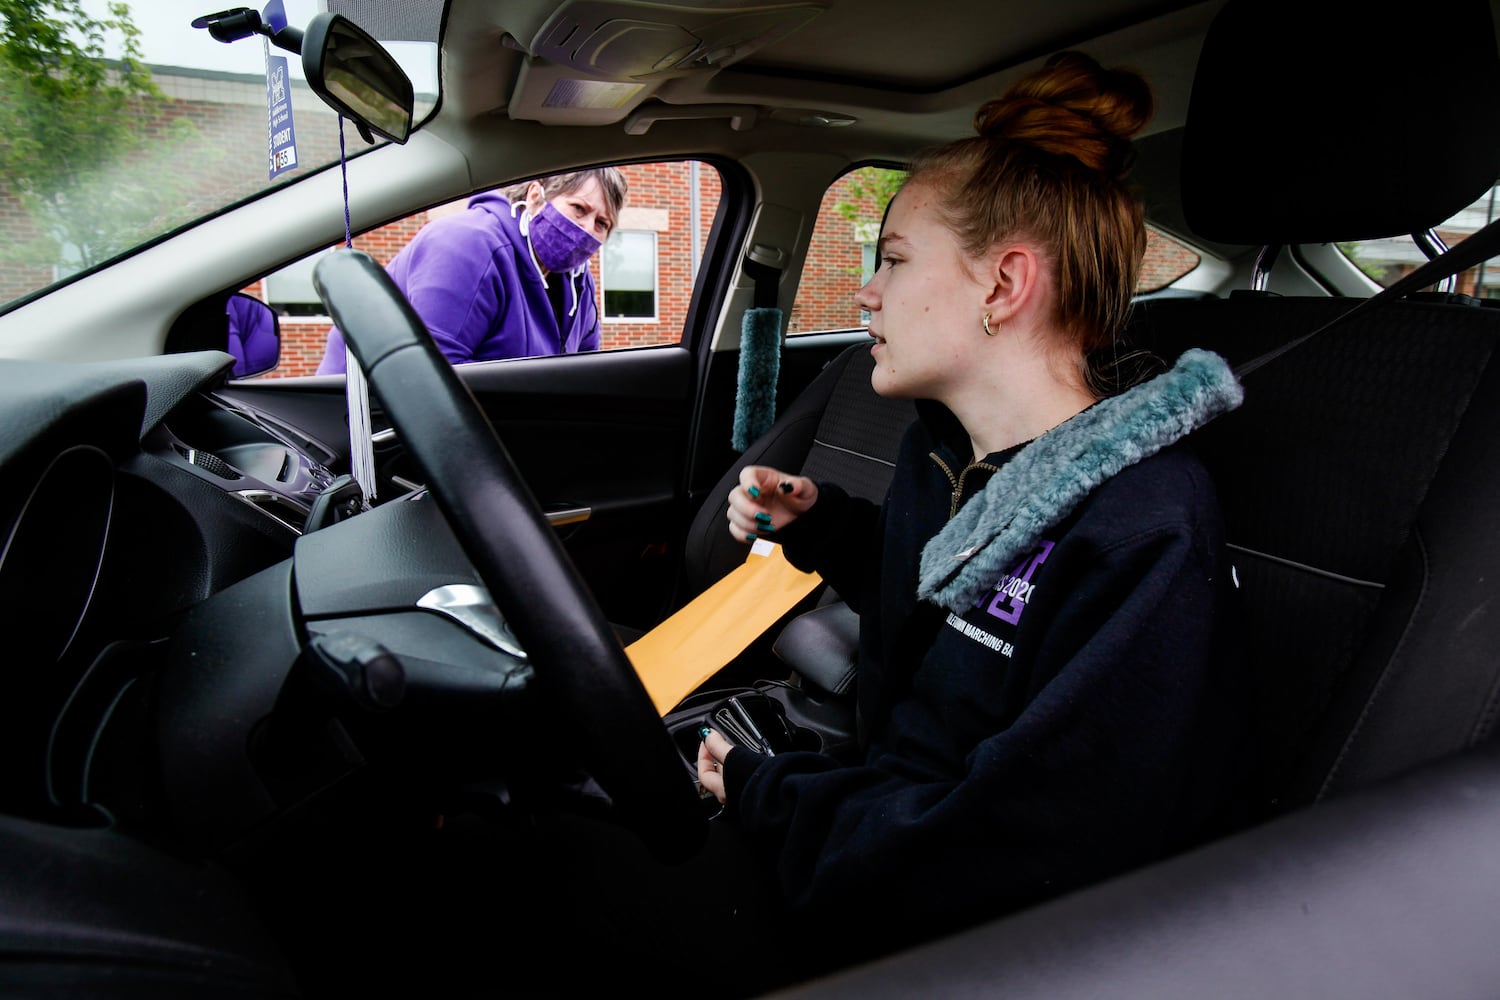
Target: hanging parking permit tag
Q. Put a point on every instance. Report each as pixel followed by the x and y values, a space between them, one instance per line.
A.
pixel 274 15
pixel 283 139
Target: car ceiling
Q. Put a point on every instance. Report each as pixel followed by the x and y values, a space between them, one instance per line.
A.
pixel 906 73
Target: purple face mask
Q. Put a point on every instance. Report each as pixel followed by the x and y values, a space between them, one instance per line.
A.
pixel 560 244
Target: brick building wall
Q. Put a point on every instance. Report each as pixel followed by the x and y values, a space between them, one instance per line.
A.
pixel 834 268
pixel 17 276
pixel 1166 260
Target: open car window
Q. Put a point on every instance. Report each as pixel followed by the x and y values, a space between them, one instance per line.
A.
pixel 643 276
pixel 841 255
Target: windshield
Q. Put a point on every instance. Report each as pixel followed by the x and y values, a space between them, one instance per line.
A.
pixel 120 122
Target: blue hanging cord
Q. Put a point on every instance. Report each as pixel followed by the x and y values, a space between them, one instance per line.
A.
pixel 357 390
pixel 344 172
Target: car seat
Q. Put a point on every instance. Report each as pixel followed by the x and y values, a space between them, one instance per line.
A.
pixel 837 428
pixel 1359 477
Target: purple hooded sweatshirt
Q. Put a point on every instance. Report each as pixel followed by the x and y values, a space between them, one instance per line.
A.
pixel 471 278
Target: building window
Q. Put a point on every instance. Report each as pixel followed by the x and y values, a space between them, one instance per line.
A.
pixel 867 235
pixel 627 270
pixel 290 290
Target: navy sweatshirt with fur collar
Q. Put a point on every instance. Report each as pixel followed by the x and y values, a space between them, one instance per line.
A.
pixel 1050 683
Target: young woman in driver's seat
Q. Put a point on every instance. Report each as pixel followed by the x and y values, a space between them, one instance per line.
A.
pixel 1048 682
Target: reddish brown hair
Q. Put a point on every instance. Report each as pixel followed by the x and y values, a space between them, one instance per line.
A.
pixel 1048 164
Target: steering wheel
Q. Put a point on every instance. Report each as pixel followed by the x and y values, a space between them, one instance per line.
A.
pixel 579 660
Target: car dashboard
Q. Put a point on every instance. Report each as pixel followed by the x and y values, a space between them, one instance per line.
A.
pixel 253 456
pixel 132 494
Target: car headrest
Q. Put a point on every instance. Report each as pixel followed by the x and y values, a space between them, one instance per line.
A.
pixel 1317 121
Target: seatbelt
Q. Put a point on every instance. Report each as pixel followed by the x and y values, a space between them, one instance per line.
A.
pixel 760 357
pixel 1481 245
pixel 767 278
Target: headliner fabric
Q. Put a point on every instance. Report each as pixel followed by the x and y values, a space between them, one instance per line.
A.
pixel 394 20
pixel 1285 143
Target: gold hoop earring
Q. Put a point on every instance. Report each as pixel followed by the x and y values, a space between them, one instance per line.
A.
pixel 987 331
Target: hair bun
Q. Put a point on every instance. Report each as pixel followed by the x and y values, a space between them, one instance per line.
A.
pixel 1073 107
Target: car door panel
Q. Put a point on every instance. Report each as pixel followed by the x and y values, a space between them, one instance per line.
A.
pixel 604 433
pixel 608 433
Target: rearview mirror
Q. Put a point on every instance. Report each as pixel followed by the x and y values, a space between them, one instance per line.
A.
pixel 357 77
pixel 344 65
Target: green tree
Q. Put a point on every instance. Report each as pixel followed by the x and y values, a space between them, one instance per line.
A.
pixel 869 190
pixel 85 142
pixel 1378 272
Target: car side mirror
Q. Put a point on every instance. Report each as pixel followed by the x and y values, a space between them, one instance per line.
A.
pixel 254 335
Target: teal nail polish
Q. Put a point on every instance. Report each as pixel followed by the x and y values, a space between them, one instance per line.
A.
pixel 763 518
pixel 786 487
pixel 751 537
pixel 754 491
pixel 703 732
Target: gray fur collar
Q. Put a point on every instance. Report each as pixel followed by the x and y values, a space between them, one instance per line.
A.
pixel 1045 480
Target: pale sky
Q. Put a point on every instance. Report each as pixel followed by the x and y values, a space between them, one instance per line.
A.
pixel 168 38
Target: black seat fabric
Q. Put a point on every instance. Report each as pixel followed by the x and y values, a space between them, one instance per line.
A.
pixel 1331 474
pixel 837 429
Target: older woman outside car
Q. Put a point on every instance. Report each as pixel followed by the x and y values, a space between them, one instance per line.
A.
pixel 508 277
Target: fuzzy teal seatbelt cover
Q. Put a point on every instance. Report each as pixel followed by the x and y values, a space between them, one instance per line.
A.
pixel 760 366
pixel 1049 477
